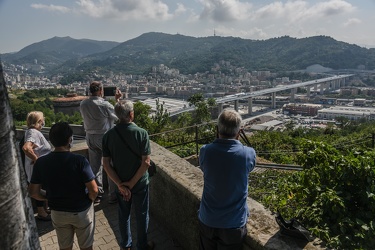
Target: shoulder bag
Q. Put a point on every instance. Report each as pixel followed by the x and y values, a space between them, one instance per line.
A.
pixel 293 228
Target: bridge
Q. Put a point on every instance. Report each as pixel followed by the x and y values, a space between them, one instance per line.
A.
pixel 328 83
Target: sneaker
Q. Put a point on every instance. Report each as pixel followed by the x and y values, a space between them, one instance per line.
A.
pixel 97 200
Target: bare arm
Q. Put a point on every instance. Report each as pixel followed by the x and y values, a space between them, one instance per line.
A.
pixel 140 172
pixel 93 189
pixel 114 177
pixel 35 192
pixel 110 171
pixel 28 148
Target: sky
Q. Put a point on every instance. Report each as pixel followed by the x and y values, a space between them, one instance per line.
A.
pixel 24 22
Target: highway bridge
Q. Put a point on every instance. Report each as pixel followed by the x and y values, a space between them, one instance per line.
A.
pixel 328 83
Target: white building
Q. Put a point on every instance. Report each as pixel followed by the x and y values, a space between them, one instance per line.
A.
pixel 351 113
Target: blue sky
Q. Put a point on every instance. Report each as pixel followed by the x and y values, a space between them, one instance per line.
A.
pixel 24 22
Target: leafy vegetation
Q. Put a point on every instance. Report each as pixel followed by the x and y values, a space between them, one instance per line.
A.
pixel 334 196
pixel 40 100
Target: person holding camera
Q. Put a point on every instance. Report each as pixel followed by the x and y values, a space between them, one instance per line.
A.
pixel 98 117
pixel 226 165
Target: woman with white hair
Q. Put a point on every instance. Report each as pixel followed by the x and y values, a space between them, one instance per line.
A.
pixel 35 146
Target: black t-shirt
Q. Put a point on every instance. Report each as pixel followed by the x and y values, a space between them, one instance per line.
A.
pixel 63 175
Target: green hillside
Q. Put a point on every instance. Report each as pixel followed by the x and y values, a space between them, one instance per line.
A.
pixel 191 54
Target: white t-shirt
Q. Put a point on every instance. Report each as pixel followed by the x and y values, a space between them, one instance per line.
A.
pixel 42 148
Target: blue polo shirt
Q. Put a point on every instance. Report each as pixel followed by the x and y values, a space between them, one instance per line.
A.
pixel 226 165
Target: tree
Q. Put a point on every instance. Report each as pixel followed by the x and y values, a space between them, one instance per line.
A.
pixel 183 120
pixel 202 108
pixel 17 223
pixel 141 115
pixel 161 117
pixel 195 99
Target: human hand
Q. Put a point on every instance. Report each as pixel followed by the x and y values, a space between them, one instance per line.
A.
pixel 125 192
pixel 118 94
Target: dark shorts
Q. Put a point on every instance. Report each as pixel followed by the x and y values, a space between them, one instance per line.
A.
pixel 221 238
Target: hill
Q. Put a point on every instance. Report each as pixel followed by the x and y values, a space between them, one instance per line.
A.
pixel 192 54
pixel 57 50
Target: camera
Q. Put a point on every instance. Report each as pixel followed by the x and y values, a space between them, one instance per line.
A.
pixel 109 91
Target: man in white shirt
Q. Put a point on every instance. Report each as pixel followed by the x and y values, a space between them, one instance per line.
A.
pixel 98 117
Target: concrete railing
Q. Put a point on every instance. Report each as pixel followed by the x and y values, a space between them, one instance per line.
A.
pixel 175 194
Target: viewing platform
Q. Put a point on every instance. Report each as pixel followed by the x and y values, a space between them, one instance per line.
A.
pixel 175 194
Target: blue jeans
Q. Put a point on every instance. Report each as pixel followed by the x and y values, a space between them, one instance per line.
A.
pixel 140 200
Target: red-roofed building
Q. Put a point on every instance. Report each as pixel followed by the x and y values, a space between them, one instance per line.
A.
pixel 69 104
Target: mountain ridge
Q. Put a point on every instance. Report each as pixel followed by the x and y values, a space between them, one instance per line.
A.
pixel 193 54
pixel 57 50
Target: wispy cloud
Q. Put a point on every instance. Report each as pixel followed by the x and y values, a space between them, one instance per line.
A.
pixel 225 10
pixel 255 32
pixel 352 21
pixel 333 7
pixel 299 10
pixel 126 10
pixel 180 9
pixel 51 7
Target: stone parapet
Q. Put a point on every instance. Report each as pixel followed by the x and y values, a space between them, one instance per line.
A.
pixel 175 194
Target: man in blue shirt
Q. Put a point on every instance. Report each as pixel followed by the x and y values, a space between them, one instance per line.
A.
pixel 226 165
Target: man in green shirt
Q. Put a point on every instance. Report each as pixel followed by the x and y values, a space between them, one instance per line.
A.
pixel 126 158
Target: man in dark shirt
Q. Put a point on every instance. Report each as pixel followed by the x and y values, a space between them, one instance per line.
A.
pixel 70 189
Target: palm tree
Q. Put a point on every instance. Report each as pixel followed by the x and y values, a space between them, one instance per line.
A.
pixel 17 224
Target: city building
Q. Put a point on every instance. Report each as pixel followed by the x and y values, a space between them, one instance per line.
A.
pixel 351 113
pixel 69 104
pixel 304 109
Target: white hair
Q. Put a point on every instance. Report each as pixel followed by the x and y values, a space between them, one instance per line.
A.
pixel 229 123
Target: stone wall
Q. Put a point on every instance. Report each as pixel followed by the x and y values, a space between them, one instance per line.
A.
pixel 175 194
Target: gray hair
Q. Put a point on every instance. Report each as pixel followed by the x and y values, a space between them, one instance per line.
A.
pixel 123 109
pixel 229 123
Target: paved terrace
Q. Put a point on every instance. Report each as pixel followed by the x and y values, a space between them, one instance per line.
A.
pixel 107 233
